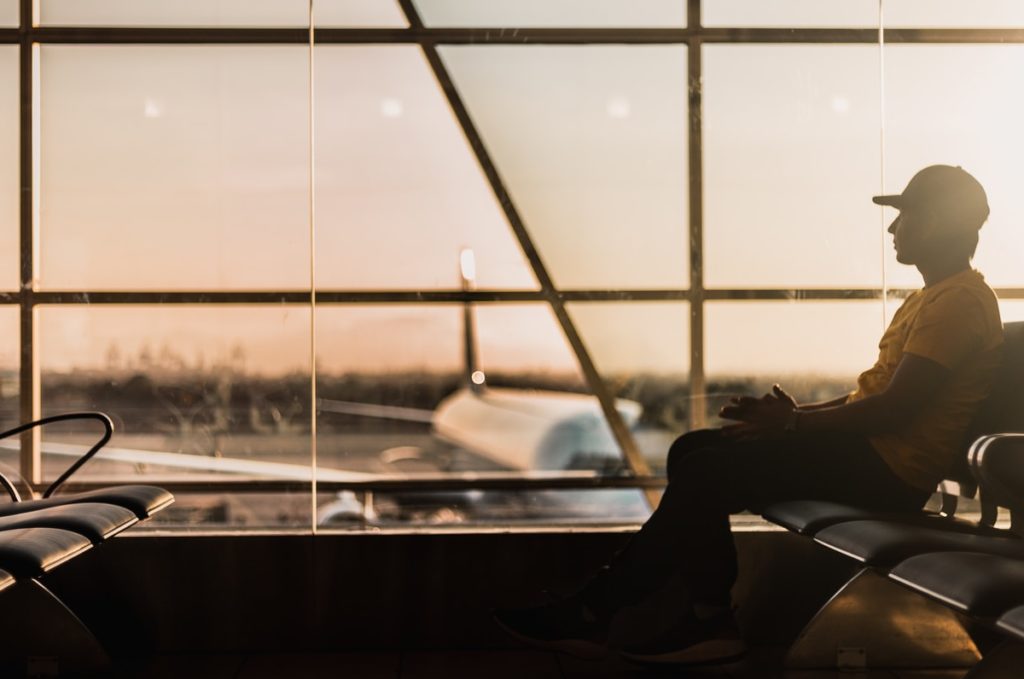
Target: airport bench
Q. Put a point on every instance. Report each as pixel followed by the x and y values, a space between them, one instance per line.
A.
pixel 927 553
pixel 38 535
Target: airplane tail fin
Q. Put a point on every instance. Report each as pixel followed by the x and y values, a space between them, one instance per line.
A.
pixel 475 378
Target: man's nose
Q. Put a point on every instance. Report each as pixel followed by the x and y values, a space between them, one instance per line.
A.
pixel 892 227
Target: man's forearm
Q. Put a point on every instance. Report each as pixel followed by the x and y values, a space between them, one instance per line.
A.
pixel 871 415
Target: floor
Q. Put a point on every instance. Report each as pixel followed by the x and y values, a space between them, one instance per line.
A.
pixel 435 665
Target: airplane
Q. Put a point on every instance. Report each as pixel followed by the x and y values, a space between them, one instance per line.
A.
pixel 517 429
pixel 540 432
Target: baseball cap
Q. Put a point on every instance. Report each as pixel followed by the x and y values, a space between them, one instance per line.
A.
pixel 950 191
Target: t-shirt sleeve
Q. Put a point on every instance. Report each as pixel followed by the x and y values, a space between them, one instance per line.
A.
pixel 949 329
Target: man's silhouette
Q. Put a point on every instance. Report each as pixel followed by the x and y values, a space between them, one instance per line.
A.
pixel 885 446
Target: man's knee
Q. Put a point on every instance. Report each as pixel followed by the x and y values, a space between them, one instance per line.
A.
pixel 686 445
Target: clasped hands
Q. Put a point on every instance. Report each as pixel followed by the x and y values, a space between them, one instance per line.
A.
pixel 758 418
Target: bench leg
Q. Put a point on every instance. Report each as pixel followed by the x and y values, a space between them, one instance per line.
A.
pixel 40 636
pixel 873 622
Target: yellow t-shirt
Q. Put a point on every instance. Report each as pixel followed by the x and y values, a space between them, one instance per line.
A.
pixel 956 324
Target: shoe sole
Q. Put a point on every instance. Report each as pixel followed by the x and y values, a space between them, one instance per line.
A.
pixel 711 652
pixel 578 648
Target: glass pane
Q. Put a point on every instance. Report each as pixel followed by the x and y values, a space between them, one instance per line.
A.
pixel 790 13
pixel 960 105
pixel 9 365
pixel 396 398
pixel 10 108
pixel 791 160
pixel 9 13
pixel 553 13
pixel 815 350
pixel 591 142
pixel 178 13
pixel 954 13
pixel 358 13
pixel 642 352
pixel 399 192
pixel 1012 310
pixel 10 388
pixel 196 392
pixel 175 167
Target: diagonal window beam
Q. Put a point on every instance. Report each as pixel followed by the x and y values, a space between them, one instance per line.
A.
pixel 620 431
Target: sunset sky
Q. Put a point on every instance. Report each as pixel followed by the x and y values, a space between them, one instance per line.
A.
pixel 186 168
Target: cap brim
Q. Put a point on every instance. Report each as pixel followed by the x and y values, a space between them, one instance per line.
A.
pixel 894 201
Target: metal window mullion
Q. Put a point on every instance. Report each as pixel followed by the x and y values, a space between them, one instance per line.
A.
pixel 441 296
pixel 28 394
pixel 419 34
pixel 695 148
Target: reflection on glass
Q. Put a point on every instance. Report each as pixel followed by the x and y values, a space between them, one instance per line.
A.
pixel 178 13
pixel 195 392
pixel 954 13
pixel 398 190
pixel 174 167
pixel 790 13
pixel 791 160
pixel 553 13
pixel 815 350
pixel 960 105
pixel 591 143
pixel 9 179
pixel 640 349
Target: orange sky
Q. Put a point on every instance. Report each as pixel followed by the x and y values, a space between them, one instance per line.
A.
pixel 186 167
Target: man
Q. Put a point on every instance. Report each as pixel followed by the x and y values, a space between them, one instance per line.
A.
pixel 884 446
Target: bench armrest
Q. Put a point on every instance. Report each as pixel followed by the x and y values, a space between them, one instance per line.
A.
pixel 108 430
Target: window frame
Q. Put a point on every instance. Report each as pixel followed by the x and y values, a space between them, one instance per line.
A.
pixel 29 36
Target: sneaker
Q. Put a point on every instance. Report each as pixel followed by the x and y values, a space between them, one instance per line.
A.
pixel 692 641
pixel 566 626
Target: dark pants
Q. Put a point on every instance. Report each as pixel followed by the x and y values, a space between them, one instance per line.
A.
pixel 711 476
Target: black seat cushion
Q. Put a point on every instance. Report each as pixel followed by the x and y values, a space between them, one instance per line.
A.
pixel 984 585
pixel 883 544
pixel 1012 621
pixel 143 501
pixel 94 520
pixel 30 552
pixel 807 517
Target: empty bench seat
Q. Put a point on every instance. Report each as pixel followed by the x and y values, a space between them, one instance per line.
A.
pixel 883 544
pixel 142 501
pixel 30 552
pixel 983 585
pixel 93 520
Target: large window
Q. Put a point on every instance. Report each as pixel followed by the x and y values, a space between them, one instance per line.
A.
pixel 371 264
